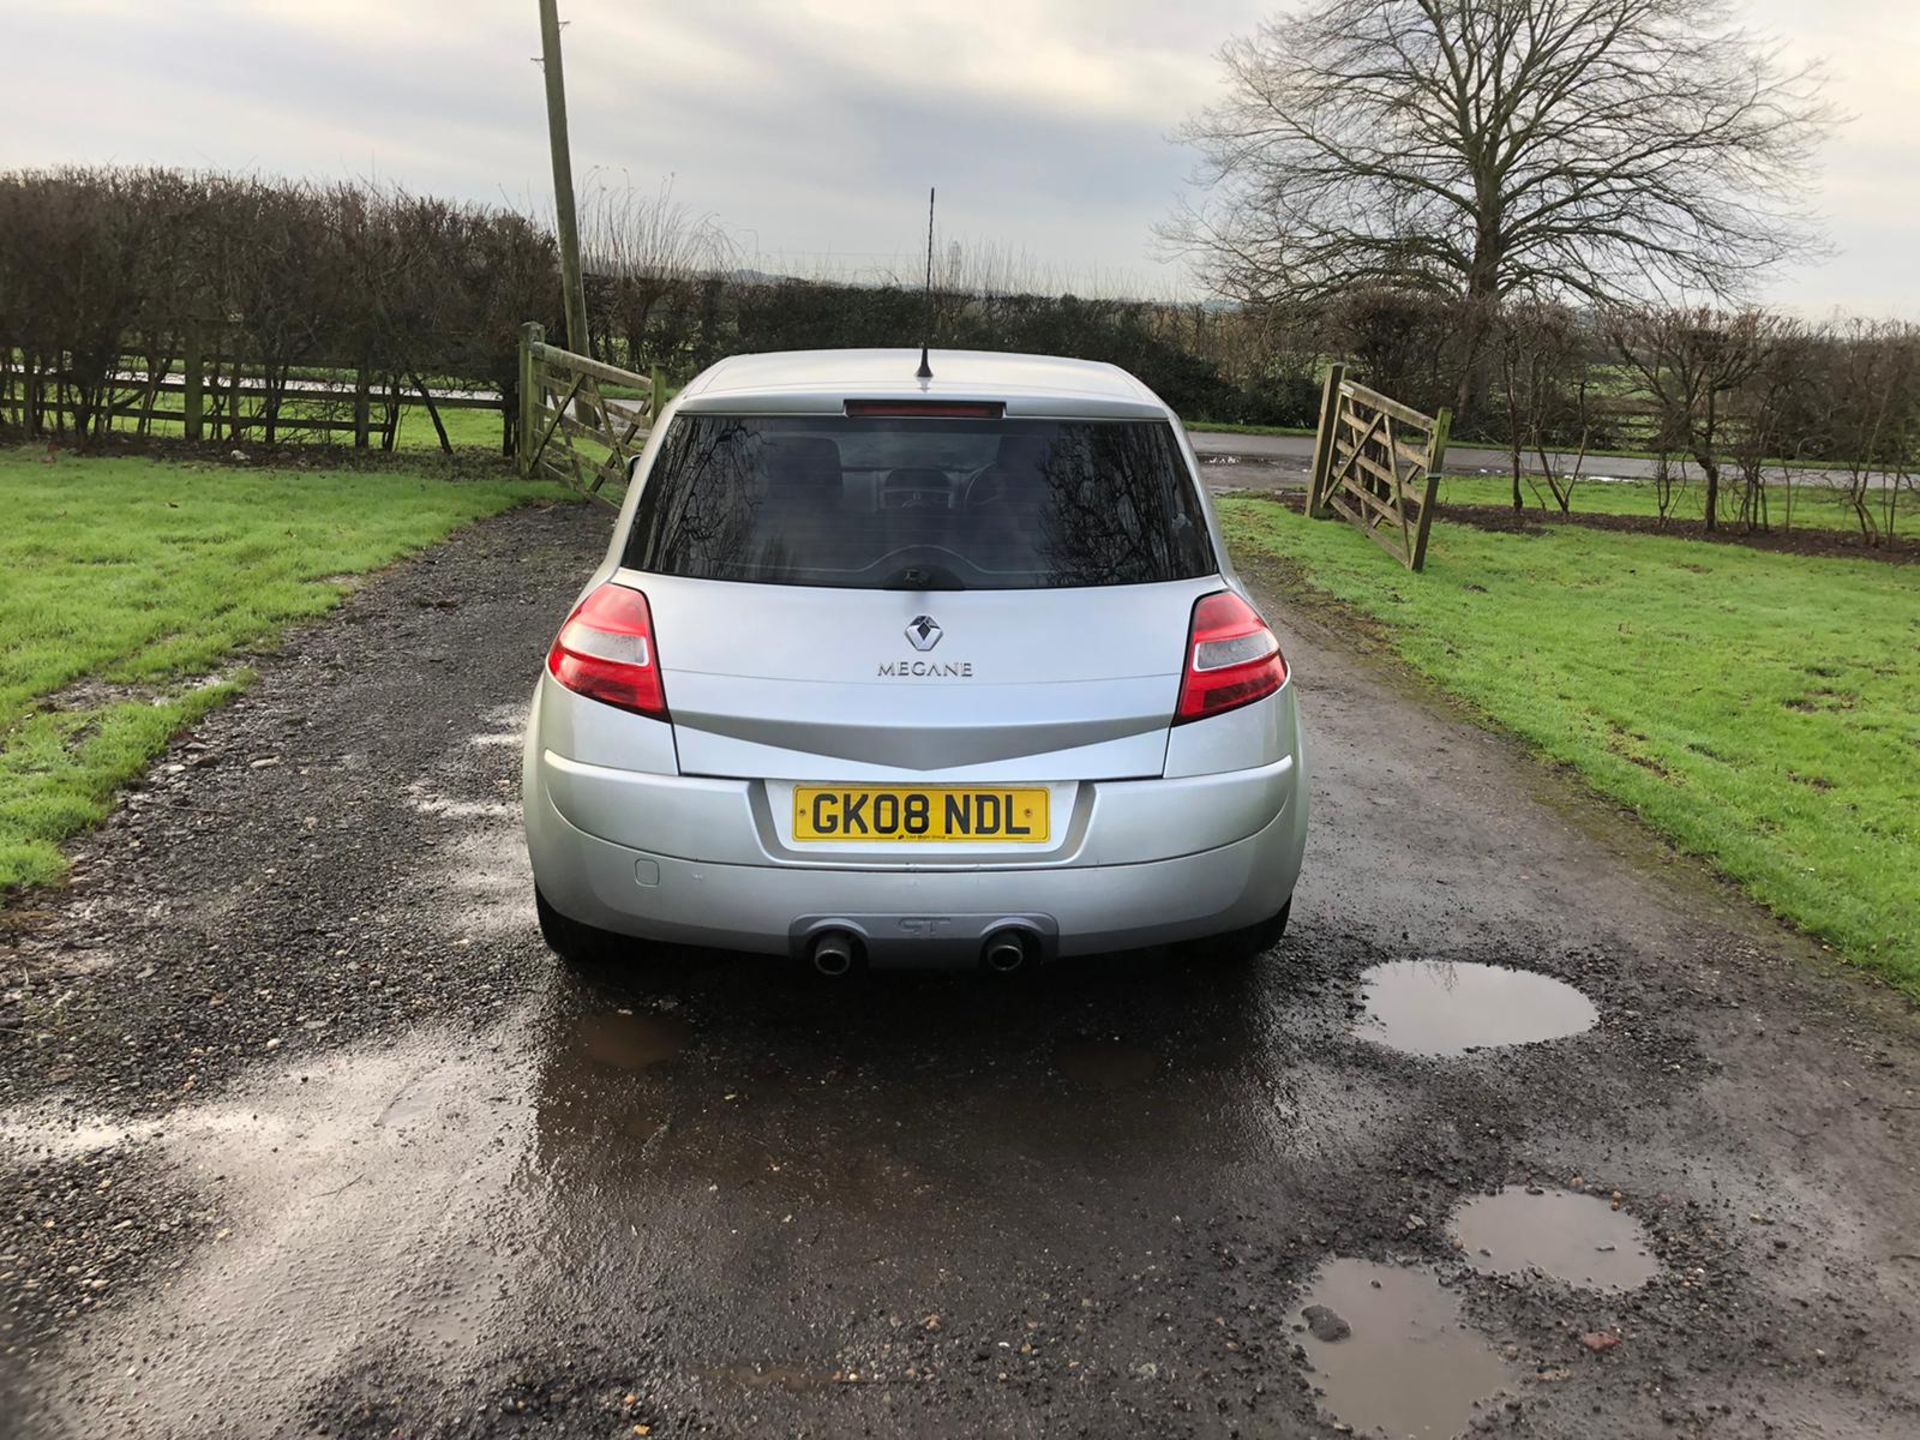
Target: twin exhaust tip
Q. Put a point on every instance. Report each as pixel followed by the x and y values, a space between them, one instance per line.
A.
pixel 833 953
pixel 1007 950
pixel 836 953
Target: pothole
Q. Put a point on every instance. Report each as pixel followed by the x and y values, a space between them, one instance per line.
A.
pixel 1106 1064
pixel 1579 1239
pixel 770 1377
pixel 1390 1352
pixel 630 1041
pixel 1442 1008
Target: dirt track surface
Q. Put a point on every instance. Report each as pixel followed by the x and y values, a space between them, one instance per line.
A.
pixel 301 1130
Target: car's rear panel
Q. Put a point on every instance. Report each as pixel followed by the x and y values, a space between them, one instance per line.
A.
pixel 804 683
pixel 989 676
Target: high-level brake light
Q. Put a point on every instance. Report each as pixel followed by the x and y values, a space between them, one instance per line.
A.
pixel 925 409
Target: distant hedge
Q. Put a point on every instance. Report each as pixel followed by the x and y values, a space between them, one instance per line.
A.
pixel 1149 340
pixel 283 276
pixel 288 277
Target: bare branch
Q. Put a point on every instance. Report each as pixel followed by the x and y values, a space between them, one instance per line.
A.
pixel 1591 149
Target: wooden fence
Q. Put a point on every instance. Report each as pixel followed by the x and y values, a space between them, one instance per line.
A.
pixel 214 396
pixel 1377 463
pixel 581 420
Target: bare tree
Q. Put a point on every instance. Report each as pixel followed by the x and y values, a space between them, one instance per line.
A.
pixel 1546 381
pixel 1591 149
pixel 644 256
pixel 1871 394
pixel 1778 418
pixel 1691 364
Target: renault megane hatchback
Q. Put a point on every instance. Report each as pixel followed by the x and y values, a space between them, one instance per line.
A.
pixel 892 670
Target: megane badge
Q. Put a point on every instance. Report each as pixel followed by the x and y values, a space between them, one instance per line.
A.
pixel 922 633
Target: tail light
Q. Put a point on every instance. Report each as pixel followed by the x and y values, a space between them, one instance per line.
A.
pixel 1233 659
pixel 605 651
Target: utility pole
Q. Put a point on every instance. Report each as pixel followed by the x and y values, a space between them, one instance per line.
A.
pixel 569 226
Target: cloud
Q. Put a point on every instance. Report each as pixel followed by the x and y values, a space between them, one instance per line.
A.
pixel 810 127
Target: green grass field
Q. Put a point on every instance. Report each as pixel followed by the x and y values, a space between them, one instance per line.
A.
pixel 1813 507
pixel 1762 710
pixel 466 430
pixel 131 584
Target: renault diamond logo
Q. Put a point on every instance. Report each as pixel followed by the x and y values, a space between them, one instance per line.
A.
pixel 922 633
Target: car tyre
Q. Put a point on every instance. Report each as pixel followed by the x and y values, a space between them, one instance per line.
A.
pixel 1248 944
pixel 579 946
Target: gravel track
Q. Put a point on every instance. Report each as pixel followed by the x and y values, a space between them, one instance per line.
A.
pixel 301 1130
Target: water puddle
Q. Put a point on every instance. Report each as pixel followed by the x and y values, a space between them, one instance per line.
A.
pixel 477 886
pixel 367 1190
pixel 630 1041
pixel 45 1133
pixel 1390 1352
pixel 484 889
pixel 1106 1064
pixel 1579 1239
pixel 770 1377
pixel 1435 1007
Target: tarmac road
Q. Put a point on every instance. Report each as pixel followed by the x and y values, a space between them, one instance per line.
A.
pixel 1296 452
pixel 1281 462
pixel 301 1131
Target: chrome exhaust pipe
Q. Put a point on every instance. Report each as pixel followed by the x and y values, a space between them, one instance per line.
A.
pixel 832 953
pixel 1006 951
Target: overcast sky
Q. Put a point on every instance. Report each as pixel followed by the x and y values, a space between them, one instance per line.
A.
pixel 810 128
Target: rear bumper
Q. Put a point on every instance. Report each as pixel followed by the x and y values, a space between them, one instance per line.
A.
pixel 1178 883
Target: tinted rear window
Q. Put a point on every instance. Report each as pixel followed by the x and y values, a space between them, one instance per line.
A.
pixel 881 503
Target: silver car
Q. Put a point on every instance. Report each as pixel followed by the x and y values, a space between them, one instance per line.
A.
pixel 889 670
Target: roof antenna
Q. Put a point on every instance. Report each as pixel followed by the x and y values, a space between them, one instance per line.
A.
pixel 925 372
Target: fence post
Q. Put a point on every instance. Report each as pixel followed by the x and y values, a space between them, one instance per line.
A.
pixel 656 390
pixel 233 402
pixel 532 333
pixel 1323 442
pixel 194 380
pixel 362 408
pixel 1436 457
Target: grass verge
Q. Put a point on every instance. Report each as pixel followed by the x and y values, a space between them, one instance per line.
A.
pixel 133 587
pixel 1811 506
pixel 1225 428
pixel 1761 710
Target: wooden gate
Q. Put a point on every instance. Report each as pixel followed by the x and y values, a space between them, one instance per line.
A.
pixel 1377 464
pixel 581 420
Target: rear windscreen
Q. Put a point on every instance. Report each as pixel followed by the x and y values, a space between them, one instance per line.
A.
pixel 919 504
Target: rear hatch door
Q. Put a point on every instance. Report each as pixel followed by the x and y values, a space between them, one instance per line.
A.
pixel 952 594
pixel 795 683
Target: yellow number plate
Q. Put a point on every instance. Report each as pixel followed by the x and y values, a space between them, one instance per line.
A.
pixel 936 817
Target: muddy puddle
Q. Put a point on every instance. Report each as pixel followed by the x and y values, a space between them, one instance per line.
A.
pixel 1391 1354
pixel 369 1191
pixel 1106 1064
pixel 1579 1239
pixel 770 1377
pixel 628 1040
pixel 1440 1008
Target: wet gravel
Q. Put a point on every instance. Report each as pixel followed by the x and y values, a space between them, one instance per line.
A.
pixel 301 1130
